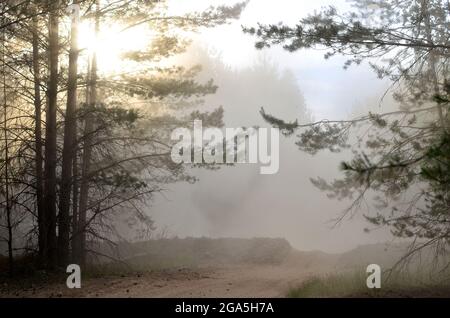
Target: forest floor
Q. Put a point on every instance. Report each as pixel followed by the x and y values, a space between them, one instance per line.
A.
pixel 229 268
pixel 257 281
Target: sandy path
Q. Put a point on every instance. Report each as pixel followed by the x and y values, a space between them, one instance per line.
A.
pixel 261 281
pixel 231 282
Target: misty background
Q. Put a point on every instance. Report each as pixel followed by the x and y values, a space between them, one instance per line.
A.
pixel 238 201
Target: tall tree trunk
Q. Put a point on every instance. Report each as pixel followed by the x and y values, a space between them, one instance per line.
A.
pixel 79 220
pixel 42 237
pixel 87 148
pixel 75 192
pixel 6 165
pixel 69 144
pixel 50 135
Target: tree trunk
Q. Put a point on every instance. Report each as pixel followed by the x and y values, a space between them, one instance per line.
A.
pixel 38 144
pixel 6 165
pixel 50 135
pixel 78 220
pixel 87 148
pixel 69 145
pixel 75 192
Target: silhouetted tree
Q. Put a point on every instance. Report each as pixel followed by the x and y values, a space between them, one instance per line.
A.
pixel 114 156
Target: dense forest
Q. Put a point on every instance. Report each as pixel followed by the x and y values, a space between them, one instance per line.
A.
pixel 81 149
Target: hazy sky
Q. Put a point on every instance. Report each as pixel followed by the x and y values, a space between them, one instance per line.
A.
pixel 328 89
pixel 238 201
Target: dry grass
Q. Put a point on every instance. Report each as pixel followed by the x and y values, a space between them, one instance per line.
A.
pixel 353 285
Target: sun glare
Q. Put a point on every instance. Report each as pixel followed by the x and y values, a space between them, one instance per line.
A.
pixel 111 43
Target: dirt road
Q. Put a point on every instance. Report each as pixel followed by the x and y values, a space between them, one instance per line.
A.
pixel 231 282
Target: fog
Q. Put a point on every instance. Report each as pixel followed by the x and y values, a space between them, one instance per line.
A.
pixel 238 201
pixel 227 149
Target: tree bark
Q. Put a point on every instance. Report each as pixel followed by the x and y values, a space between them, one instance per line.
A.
pixel 69 145
pixel 75 193
pixel 6 165
pixel 87 149
pixel 50 135
pixel 42 239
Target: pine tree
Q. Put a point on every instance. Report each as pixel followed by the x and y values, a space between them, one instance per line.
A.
pixel 405 149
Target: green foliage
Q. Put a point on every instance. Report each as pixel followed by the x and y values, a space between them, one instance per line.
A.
pixel 286 128
pixel 135 111
pixel 400 159
pixel 399 34
pixel 174 82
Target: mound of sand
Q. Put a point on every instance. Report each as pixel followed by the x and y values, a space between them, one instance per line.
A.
pixel 178 252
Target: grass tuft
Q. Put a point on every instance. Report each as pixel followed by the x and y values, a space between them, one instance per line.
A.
pixel 353 285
